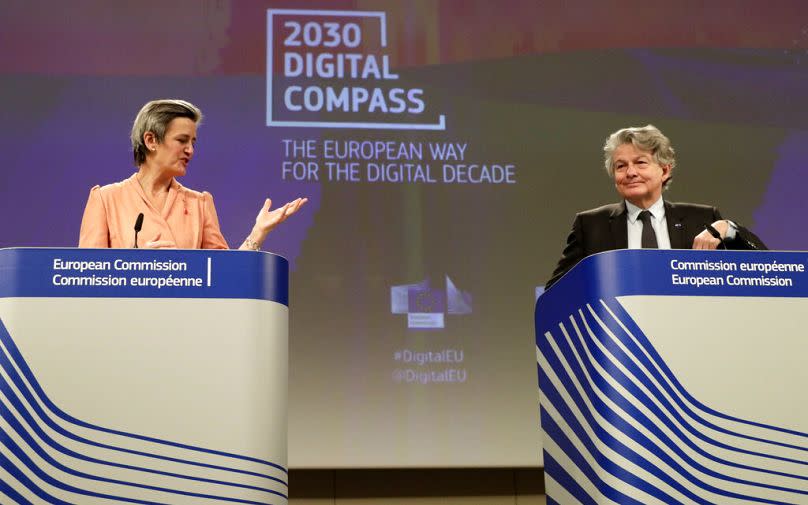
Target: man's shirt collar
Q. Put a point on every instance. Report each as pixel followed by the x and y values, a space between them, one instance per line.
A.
pixel 657 210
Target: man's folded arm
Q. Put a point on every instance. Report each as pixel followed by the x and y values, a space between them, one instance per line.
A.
pixel 740 238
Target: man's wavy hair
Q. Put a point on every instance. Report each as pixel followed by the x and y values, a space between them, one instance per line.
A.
pixel 645 138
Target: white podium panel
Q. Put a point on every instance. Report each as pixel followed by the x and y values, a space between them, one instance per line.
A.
pixel 676 377
pixel 143 376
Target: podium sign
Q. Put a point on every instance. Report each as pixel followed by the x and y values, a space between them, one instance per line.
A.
pixel 138 376
pixel 676 377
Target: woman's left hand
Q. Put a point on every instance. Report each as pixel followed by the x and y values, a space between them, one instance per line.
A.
pixel 267 219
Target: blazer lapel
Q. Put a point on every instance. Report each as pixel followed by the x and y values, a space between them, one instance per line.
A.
pixel 619 226
pixel 676 228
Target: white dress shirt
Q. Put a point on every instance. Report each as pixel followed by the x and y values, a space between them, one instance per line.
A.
pixel 658 221
pixel 660 225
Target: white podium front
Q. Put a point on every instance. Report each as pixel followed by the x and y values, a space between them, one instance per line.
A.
pixel 676 377
pixel 143 376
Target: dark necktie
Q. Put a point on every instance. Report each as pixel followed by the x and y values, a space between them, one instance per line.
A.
pixel 648 236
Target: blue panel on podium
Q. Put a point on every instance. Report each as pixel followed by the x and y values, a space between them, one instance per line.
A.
pixel 143 376
pixel 676 377
pixel 143 273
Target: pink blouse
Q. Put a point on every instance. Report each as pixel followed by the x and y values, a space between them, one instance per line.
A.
pixel 188 218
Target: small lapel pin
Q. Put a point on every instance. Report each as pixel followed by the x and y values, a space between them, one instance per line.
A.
pixel 677 225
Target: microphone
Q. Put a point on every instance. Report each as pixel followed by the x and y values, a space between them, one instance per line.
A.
pixel 138 226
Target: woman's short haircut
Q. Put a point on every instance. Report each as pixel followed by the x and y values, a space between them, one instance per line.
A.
pixel 645 138
pixel 154 117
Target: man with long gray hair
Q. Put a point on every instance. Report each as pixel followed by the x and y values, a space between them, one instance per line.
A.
pixel 641 160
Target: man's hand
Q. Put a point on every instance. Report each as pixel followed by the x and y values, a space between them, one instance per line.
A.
pixel 705 240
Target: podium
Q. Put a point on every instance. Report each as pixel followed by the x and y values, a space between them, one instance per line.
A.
pixel 141 376
pixel 676 377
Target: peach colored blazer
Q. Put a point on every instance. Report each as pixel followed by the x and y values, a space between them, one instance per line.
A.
pixel 188 218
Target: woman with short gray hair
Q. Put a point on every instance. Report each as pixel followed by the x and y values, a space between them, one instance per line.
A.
pixel 166 214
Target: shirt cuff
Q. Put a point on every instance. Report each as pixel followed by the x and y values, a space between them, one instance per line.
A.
pixel 732 230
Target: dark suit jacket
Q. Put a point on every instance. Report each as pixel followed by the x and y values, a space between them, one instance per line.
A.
pixel 606 229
